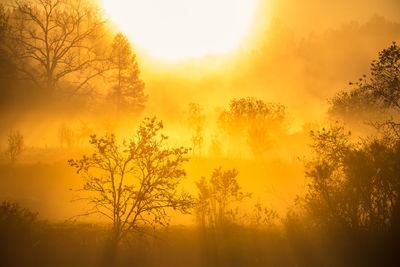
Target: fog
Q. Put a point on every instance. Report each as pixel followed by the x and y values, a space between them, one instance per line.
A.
pixel 263 109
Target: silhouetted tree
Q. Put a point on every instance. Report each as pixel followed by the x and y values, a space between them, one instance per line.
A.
pixel 258 120
pixel 15 146
pixel 134 183
pixel 374 99
pixel 53 42
pixel 17 234
pixel 127 92
pixel 195 121
pixel 216 196
pixel 353 185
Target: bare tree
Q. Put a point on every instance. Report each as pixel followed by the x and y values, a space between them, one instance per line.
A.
pixel 127 92
pixel 216 196
pixel 15 146
pixel 134 183
pixel 54 43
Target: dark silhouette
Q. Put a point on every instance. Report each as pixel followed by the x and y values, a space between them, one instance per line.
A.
pixel 127 91
pixel 133 184
pixel 374 99
pixel 53 42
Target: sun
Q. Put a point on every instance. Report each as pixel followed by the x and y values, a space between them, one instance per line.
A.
pixel 182 29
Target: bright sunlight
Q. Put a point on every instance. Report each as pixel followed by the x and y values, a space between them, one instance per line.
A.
pixel 182 29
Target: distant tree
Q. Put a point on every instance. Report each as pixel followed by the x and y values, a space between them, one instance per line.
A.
pixel 84 132
pixel 216 196
pixel 127 92
pixel 258 120
pixel 15 146
pixel 134 183
pixel 66 135
pixel 195 120
pixel 53 43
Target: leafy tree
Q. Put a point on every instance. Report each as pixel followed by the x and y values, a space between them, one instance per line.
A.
pixel 354 186
pixel 53 42
pixel 216 196
pixel 127 92
pixel 258 120
pixel 15 146
pixel 375 99
pixel 133 184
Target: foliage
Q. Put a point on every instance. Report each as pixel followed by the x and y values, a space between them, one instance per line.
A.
pixel 354 186
pixel 15 146
pixel 134 183
pixel 216 196
pixel 377 97
pixel 127 92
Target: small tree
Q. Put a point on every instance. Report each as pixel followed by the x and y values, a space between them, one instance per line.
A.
pixel 15 146
pixel 216 196
pixel 127 92
pixel 134 183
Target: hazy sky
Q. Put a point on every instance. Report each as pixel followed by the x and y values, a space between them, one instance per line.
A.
pixel 317 15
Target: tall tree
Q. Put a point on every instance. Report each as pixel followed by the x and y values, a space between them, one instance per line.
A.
pixel 127 92
pixel 54 43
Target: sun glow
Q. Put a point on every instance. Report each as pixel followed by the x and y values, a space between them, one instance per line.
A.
pixel 181 29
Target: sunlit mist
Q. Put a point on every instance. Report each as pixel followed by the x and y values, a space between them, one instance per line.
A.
pixel 180 29
pixel 201 133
